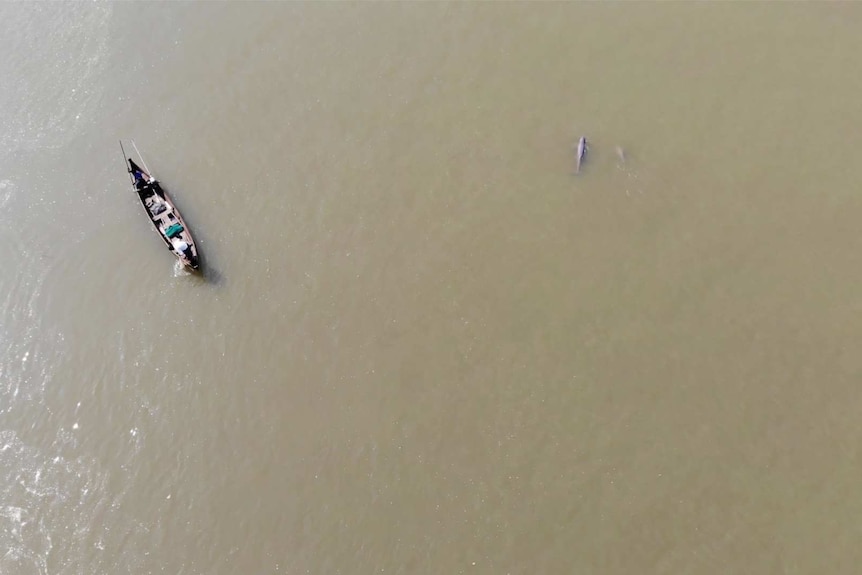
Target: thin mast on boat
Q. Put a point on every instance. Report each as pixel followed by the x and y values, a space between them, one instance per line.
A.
pixel 146 167
pixel 126 161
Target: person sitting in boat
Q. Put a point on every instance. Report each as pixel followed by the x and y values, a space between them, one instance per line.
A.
pixel 140 182
pixel 180 246
pixel 141 178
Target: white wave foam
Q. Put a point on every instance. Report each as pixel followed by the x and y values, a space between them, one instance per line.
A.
pixel 7 190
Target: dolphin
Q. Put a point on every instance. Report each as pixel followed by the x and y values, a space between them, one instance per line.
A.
pixel 582 151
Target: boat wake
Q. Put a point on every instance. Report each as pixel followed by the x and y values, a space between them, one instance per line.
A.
pixel 180 270
pixel 631 183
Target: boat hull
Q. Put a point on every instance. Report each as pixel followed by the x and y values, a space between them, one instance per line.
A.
pixel 163 213
pixel 168 223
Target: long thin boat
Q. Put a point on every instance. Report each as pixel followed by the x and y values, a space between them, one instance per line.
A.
pixel 162 212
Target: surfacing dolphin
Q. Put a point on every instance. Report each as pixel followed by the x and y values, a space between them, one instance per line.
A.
pixel 580 154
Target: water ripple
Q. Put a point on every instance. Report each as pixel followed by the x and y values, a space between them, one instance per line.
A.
pixel 45 110
pixel 50 504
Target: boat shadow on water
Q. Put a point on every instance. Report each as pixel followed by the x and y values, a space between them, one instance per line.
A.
pixel 209 274
pixel 205 275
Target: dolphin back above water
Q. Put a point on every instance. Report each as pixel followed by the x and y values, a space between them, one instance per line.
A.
pixel 580 154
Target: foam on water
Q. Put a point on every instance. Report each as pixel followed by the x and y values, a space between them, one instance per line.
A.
pixel 180 270
pixel 7 189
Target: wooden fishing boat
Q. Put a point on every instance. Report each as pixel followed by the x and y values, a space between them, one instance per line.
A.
pixel 163 214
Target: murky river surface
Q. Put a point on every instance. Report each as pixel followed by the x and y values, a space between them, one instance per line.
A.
pixel 420 344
